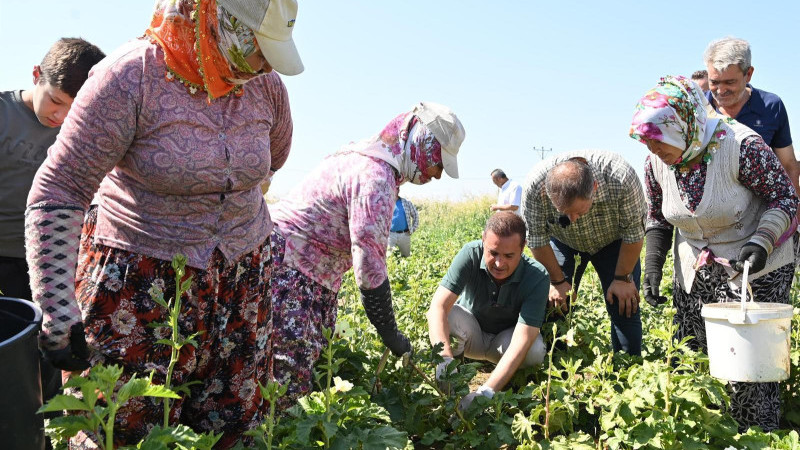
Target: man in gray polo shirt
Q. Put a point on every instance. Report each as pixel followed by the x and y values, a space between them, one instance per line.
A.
pixel 492 300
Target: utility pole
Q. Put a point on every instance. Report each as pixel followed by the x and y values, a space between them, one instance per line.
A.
pixel 542 150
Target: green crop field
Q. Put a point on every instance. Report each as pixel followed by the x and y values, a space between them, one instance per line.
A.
pixel 586 397
pixel 582 397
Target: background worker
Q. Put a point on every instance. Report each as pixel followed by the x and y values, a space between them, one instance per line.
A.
pixel 405 221
pixel 510 195
pixel 701 78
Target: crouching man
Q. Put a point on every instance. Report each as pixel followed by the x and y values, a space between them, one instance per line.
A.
pixel 492 301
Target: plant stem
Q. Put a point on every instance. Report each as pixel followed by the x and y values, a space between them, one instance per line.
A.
pixel 381 365
pixel 173 323
pixel 328 395
pixel 549 379
pixel 271 424
pixel 108 428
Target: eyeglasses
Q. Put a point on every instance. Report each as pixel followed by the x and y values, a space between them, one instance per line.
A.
pixel 562 220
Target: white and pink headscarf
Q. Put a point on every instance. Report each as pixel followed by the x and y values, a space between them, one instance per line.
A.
pixel 674 112
pixel 406 144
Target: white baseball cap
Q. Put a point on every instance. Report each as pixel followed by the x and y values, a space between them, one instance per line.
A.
pixel 447 129
pixel 272 22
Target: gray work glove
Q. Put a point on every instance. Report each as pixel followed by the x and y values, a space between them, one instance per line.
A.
pixel 441 371
pixel 651 286
pixel 658 242
pixel 465 402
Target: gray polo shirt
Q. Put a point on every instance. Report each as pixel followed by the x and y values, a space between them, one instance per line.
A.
pixel 522 298
pixel 23 147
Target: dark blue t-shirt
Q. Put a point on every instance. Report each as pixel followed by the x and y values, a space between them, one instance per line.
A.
pixel 765 114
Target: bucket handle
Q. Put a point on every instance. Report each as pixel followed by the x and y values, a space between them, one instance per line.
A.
pixel 19 318
pixel 746 286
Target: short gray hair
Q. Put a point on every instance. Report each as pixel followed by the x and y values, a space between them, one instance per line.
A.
pixel 727 51
pixel 568 181
pixel 498 173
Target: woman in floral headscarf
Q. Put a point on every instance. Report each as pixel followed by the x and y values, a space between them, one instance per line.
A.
pixel 339 217
pixel 175 131
pixel 731 201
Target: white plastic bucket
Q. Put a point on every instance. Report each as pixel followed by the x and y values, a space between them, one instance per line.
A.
pixel 748 341
pixel 751 344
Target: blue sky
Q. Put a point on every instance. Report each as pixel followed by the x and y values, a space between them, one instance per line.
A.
pixel 561 74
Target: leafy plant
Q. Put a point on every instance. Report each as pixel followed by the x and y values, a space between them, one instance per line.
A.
pixel 99 396
pixel 97 404
pixel 340 416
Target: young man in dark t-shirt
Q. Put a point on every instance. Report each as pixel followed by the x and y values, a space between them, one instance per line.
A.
pixel 29 123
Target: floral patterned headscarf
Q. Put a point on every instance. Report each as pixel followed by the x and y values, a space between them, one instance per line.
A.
pixel 406 144
pixel 204 46
pixel 674 112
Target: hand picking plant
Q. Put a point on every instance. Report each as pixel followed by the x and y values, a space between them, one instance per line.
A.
pixel 98 397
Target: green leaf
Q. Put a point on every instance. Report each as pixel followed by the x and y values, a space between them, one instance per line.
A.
pixel 431 436
pixel 180 436
pixel 64 403
pixel 143 387
pixel 70 425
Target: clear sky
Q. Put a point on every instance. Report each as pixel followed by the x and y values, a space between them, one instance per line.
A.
pixel 522 74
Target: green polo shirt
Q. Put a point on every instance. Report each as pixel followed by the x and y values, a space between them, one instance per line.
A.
pixel 522 298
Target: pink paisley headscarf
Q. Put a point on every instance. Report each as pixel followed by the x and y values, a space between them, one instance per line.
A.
pixel 406 144
pixel 674 112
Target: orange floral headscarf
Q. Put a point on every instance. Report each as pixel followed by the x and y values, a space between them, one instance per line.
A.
pixel 189 33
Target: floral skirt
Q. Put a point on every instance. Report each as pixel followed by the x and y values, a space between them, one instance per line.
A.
pixel 301 308
pixel 751 403
pixel 228 303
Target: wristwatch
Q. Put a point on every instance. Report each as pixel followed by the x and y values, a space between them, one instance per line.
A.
pixel 628 278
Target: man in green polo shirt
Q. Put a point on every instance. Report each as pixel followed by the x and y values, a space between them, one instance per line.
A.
pixel 492 301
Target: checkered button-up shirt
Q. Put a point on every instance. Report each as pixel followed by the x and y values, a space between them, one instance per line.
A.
pixel 618 207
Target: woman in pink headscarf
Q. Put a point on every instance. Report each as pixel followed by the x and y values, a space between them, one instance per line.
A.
pixel 339 217
pixel 723 188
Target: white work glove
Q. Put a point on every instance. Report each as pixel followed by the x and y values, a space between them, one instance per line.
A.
pixel 441 370
pixel 484 390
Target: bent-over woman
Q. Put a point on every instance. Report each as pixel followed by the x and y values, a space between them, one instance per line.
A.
pixel 339 217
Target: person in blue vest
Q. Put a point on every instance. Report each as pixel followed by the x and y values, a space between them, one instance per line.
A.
pixel 405 221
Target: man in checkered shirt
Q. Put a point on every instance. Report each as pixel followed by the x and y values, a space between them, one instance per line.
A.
pixel 590 203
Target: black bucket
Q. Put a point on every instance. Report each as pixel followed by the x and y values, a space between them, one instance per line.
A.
pixel 20 386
